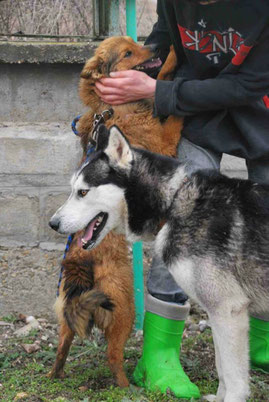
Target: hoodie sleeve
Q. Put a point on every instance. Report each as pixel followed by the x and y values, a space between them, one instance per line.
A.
pixel 234 86
pixel 160 35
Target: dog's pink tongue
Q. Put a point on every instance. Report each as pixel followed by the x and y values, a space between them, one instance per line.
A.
pixel 153 63
pixel 89 231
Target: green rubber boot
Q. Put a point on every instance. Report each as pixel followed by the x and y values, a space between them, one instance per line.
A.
pixel 259 344
pixel 159 367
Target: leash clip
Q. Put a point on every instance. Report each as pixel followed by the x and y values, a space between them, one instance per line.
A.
pixel 100 119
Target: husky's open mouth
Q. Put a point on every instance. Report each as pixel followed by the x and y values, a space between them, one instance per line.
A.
pixel 93 230
pixel 149 65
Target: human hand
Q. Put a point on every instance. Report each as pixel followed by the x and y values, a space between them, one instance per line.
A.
pixel 125 86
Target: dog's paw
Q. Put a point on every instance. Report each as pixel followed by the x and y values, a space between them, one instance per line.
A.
pixel 122 381
pixel 210 398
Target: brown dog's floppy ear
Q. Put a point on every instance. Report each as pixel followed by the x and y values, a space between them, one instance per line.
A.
pixel 118 149
pixel 93 69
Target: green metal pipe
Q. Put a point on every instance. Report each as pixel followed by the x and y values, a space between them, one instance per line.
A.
pixel 131 30
pixel 131 19
pixel 138 284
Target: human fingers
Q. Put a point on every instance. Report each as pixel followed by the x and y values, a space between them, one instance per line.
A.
pixel 113 100
pixel 106 89
pixel 97 92
pixel 120 78
pixel 124 74
pixel 113 82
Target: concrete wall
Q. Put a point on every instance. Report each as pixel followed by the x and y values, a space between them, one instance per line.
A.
pixel 36 162
pixel 38 151
pixel 39 92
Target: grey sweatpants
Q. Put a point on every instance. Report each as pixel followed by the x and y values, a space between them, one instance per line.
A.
pixel 160 282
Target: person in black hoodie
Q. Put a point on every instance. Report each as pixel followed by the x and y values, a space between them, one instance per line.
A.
pixel 221 88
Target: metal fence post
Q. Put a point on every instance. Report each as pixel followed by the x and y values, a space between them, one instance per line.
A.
pixel 114 17
pixel 106 18
pixel 131 30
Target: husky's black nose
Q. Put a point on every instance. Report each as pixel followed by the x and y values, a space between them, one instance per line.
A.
pixel 54 224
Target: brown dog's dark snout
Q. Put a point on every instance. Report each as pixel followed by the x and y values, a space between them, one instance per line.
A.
pixel 153 47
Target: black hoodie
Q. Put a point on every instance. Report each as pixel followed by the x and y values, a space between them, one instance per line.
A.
pixel 222 80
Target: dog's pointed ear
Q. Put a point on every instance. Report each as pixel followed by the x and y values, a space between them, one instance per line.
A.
pixel 102 137
pixel 118 149
pixel 93 69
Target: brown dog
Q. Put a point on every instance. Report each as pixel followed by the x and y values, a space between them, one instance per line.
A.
pixel 97 285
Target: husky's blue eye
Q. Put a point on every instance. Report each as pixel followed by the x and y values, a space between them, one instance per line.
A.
pixel 128 54
pixel 82 193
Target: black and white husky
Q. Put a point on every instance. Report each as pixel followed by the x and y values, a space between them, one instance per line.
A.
pixel 215 240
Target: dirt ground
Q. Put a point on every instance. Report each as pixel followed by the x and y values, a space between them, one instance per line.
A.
pixel 26 354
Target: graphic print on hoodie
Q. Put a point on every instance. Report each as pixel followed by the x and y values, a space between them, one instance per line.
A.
pixel 214 44
pixel 218 34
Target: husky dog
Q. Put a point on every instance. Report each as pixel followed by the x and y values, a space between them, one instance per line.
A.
pixel 215 240
pixel 89 277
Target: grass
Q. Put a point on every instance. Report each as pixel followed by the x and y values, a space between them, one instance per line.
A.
pixel 89 379
pixel 11 318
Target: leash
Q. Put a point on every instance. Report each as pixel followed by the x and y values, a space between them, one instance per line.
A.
pixel 98 119
pixel 68 244
pixel 74 124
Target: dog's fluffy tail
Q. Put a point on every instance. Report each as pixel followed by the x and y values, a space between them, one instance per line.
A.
pixel 79 311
